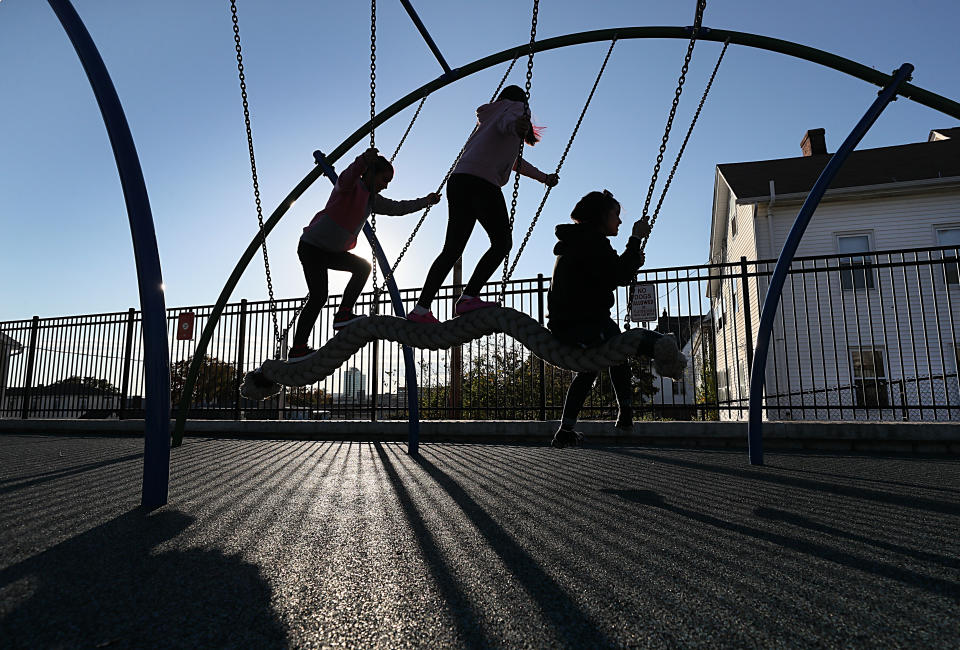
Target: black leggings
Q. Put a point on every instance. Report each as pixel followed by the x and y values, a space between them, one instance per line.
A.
pixel 316 262
pixel 589 335
pixel 470 199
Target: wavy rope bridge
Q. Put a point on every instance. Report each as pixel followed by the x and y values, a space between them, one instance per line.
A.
pixel 266 380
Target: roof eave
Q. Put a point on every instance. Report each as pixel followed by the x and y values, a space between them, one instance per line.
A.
pixel 843 192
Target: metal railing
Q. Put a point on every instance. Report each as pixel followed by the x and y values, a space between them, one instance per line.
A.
pixel 868 337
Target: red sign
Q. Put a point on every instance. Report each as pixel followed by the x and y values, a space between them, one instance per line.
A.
pixel 185 326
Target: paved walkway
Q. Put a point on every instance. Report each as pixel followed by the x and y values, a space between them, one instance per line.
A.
pixel 325 544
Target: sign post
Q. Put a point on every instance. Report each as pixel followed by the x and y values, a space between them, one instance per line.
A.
pixel 644 303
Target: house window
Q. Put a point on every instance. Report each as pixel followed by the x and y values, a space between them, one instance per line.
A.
pixel 732 209
pixel 950 237
pixel 722 386
pixel 719 307
pixel 733 297
pixel 852 274
pixel 744 378
pixel 869 378
pixel 679 388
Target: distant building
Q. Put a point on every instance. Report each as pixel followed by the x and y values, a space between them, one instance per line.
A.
pixel 354 385
pixel 679 396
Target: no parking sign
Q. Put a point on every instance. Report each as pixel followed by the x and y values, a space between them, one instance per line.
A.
pixel 643 306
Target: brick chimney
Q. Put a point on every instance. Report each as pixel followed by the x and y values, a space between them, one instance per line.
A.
pixel 814 143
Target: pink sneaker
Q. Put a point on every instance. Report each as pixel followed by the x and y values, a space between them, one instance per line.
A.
pixel 465 305
pixel 427 318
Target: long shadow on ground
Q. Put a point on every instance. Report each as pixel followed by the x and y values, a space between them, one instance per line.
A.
pixel 575 626
pixel 111 586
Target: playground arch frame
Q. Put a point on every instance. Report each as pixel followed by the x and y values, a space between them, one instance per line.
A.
pixel 156 455
pixel 796 50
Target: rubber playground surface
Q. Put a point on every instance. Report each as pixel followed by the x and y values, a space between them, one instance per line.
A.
pixel 356 544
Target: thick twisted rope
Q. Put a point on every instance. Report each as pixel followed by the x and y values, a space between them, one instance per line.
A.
pixel 266 380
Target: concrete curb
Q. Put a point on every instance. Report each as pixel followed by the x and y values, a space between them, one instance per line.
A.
pixel 908 437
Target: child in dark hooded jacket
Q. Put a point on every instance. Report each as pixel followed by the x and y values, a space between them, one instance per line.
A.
pixel 586 274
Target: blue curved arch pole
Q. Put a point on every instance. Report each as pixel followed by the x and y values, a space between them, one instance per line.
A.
pixel 156 444
pixel 413 439
pixel 769 311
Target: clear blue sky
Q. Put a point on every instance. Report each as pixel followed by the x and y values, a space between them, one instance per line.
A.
pixel 66 243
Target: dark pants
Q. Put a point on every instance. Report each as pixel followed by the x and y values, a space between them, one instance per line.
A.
pixel 588 336
pixel 470 199
pixel 316 262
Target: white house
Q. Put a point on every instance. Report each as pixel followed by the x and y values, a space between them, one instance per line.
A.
pixel 678 397
pixel 864 325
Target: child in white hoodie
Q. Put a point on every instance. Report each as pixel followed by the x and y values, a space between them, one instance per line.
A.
pixel 474 194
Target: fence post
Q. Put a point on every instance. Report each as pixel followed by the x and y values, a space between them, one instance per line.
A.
pixel 127 352
pixel 241 344
pixel 748 315
pixel 375 367
pixel 32 355
pixel 543 387
pixel 456 354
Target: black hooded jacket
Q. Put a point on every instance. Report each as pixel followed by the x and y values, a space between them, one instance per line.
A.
pixel 585 275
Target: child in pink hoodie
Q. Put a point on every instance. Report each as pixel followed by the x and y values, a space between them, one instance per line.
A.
pixel 328 238
pixel 474 194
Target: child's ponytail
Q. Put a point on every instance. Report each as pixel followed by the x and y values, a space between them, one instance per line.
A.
pixel 517 94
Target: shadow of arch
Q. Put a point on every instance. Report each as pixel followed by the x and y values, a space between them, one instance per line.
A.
pixel 112 586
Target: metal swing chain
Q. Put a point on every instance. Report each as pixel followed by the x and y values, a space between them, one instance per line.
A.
pixel 697 21
pixel 403 139
pixel 373 113
pixel 526 114
pixel 253 172
pixel 382 284
pixel 373 106
pixel 393 269
pixel 693 123
pixel 563 158
pixel 701 5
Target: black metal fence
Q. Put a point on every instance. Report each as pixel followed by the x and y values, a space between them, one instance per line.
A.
pixel 868 337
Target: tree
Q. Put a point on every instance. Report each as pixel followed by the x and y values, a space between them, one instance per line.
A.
pixel 91 383
pixel 307 396
pixel 215 385
pixel 642 379
pixel 707 386
pixel 504 382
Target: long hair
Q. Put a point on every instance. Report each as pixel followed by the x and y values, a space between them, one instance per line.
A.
pixel 518 94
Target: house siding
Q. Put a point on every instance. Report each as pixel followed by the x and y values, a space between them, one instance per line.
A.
pixel 910 314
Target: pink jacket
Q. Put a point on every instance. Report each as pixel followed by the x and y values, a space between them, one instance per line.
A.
pixel 491 152
pixel 335 228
